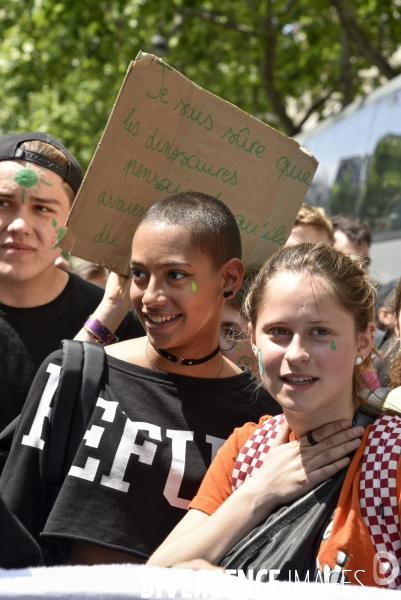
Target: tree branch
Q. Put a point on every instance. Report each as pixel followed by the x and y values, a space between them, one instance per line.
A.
pixel 346 69
pixel 268 66
pixel 252 7
pixel 314 107
pixel 214 18
pixel 358 36
pixel 288 7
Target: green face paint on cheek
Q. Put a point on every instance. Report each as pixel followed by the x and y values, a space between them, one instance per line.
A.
pixel 193 287
pixel 61 232
pixel 247 361
pixel 54 223
pixel 261 369
pixel 333 346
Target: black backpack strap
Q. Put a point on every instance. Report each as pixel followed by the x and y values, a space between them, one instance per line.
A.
pixel 63 408
pixel 92 372
pixel 75 399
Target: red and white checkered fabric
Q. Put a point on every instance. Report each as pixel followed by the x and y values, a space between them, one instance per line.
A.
pixel 378 489
pixel 378 482
pixel 255 450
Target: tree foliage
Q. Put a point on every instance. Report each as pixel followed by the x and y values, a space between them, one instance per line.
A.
pixel 381 198
pixel 63 61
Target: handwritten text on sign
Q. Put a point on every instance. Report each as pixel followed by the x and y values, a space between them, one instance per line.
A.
pixel 166 136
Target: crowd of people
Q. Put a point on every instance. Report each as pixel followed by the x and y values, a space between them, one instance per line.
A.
pixel 211 379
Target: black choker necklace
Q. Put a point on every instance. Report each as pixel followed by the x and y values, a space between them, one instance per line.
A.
pixel 187 361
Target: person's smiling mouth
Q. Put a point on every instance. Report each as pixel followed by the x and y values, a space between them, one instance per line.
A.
pixel 160 321
pixel 298 380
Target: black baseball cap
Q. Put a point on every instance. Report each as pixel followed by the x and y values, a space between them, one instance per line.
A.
pixel 10 149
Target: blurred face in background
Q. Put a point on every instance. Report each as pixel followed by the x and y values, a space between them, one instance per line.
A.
pixel 301 234
pixel 235 343
pixel 344 244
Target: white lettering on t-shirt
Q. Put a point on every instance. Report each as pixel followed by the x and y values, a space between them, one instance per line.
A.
pixel 109 409
pixel 176 474
pixel 34 437
pixel 216 444
pixel 127 446
pixel 87 472
pixel 92 438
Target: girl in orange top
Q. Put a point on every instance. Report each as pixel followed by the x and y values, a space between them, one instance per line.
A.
pixel 311 323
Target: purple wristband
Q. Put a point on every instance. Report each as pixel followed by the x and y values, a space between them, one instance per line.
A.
pixel 100 331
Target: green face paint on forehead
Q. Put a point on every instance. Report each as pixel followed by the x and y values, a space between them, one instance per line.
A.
pixel 333 346
pixel 27 178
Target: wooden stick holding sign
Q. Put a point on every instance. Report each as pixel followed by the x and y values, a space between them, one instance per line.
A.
pixel 166 135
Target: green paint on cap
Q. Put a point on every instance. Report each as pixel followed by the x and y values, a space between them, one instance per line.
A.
pixel 193 286
pixel 26 178
pixel 333 346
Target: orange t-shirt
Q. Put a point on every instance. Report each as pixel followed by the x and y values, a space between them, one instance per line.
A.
pixel 346 543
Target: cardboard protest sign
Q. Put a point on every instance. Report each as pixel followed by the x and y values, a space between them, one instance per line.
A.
pixel 166 135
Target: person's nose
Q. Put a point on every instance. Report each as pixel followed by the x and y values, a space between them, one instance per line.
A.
pixel 297 350
pixel 154 294
pixel 20 223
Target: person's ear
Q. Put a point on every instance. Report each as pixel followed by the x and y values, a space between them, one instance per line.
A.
pixel 253 340
pixel 233 274
pixel 366 340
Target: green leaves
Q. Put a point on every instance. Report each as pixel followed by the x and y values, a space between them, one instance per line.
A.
pixel 62 63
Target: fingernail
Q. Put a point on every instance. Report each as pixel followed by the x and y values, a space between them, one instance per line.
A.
pixel 356 442
pixel 359 430
pixel 346 423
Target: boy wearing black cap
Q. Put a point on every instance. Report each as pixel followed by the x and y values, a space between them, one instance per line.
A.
pixel 39 304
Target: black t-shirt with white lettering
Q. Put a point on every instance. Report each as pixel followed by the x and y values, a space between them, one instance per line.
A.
pixel 29 335
pixel 150 440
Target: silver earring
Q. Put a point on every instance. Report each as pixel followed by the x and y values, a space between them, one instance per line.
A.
pixel 359 360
